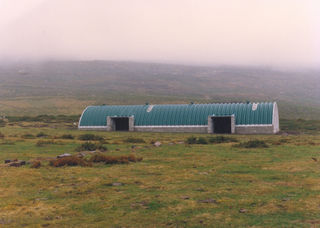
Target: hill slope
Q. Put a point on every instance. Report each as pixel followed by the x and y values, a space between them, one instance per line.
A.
pixel 67 87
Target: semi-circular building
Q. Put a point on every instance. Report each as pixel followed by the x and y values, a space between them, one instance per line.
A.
pixel 226 118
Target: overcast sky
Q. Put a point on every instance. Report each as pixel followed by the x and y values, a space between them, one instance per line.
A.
pixel 259 32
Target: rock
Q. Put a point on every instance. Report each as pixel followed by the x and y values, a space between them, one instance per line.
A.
pixel 22 162
pixel 203 173
pixel 117 184
pixel 242 210
pixel 63 155
pixel 315 159
pixel 133 146
pixel 185 197
pixel 157 144
pixel 207 201
pixel 7 161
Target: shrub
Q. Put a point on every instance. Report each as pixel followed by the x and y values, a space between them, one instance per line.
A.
pixel 91 147
pixel 69 161
pixel 28 136
pixel 191 140
pixel 123 159
pixel 222 139
pixel 194 140
pixel 88 137
pixel 41 134
pixel 202 140
pixel 36 164
pixel 253 144
pixel 1 135
pixel 67 136
pixel 134 140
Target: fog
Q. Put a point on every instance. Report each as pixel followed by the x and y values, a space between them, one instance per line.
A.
pixel 245 32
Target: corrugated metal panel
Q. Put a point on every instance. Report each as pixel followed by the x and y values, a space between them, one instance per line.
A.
pixel 181 114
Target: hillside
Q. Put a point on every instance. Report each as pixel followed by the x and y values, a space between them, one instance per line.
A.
pixel 67 87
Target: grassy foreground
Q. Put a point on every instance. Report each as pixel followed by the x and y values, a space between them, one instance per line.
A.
pixel 175 185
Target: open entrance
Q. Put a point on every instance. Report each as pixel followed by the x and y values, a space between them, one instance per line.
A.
pixel 121 123
pixel 221 124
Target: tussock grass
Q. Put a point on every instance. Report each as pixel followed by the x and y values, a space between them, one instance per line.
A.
pixel 35 164
pixel 222 139
pixel 69 161
pixel 253 144
pixel 121 159
pixel 134 140
pixel 28 136
pixel 89 146
pixel 90 137
pixel 47 142
pixel 41 135
pixel 67 136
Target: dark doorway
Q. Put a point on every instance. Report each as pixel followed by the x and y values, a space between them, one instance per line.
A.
pixel 121 124
pixel 221 124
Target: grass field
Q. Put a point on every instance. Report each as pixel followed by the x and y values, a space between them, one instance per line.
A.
pixel 175 185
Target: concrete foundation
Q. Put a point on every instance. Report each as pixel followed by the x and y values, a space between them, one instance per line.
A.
pixel 181 129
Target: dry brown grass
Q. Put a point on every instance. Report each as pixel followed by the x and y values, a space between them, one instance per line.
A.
pixel 69 161
pixel 123 159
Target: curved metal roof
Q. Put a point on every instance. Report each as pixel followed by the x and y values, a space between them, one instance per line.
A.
pixel 178 114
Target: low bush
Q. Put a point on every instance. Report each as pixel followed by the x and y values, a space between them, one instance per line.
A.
pixel 134 140
pixel 69 161
pixel 89 146
pixel 221 139
pixel 191 140
pixel 67 136
pixel 36 164
pixel 194 140
pixel 202 140
pixel 123 159
pixel 90 137
pixel 28 136
pixel 253 144
pixel 41 134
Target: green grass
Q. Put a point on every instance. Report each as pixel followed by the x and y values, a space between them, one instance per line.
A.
pixel 278 186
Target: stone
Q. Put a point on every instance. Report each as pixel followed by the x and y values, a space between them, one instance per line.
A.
pixel 63 155
pixel 117 184
pixel 185 197
pixel 242 210
pixel 315 159
pixel 16 163
pixel 157 144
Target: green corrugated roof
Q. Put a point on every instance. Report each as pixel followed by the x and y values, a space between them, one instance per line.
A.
pixel 180 114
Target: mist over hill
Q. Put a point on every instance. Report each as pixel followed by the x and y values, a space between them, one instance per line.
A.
pixel 66 87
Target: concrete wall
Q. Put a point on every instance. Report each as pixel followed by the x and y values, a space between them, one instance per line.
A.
pixel 254 129
pixel 182 129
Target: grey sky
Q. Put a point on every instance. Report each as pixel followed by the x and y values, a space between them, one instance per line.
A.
pixel 264 32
